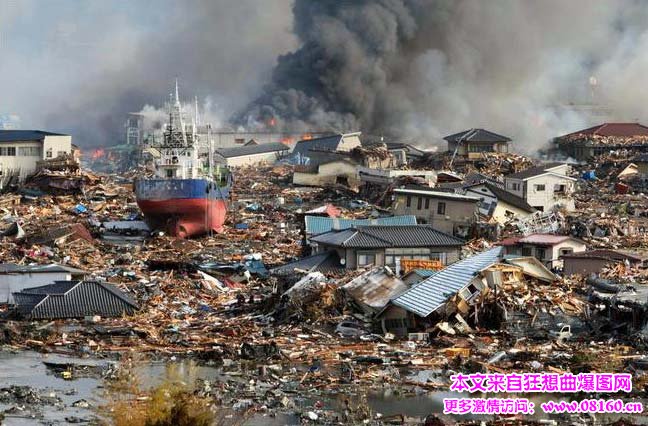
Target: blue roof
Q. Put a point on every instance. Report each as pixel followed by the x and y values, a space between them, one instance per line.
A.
pixel 25 135
pixel 431 293
pixel 318 225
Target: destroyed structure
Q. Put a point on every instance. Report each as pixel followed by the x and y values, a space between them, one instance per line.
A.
pixel 587 144
pixel 341 268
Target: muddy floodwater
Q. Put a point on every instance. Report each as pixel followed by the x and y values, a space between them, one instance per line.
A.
pixel 51 399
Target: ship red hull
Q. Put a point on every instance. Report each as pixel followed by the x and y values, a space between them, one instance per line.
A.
pixel 185 217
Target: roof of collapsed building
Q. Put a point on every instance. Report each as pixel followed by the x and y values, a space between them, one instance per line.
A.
pixel 25 135
pixel 73 299
pixel 610 129
pixel 539 239
pixel 388 236
pixel 428 295
pixel 477 135
pixel 240 151
pixel 325 143
pixel 326 263
pixel 436 193
pixel 375 288
pixel 506 197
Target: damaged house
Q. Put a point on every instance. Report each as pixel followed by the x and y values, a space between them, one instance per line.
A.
pixel 547 248
pixel 251 154
pixel 73 299
pixel 15 278
pixel 498 204
pixel 343 142
pixel 544 187
pixel 371 291
pixel 591 142
pixel 593 261
pixel 388 245
pixel 446 211
pixel 424 304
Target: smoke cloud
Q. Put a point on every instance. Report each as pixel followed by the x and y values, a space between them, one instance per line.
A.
pixel 412 69
pixel 422 69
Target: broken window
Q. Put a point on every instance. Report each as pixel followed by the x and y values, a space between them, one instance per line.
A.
pixel 565 251
pixel 441 208
pixel 48 154
pixel 560 189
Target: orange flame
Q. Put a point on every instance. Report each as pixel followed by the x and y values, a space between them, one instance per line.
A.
pixel 287 140
pixel 98 153
pixel 306 136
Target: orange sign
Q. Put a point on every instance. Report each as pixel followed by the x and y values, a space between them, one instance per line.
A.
pixel 409 264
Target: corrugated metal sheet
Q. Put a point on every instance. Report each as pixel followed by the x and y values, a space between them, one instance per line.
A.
pixel 428 295
pixel 374 288
pixel 318 225
pixel 69 299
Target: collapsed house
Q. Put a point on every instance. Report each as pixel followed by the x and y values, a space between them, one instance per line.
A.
pixel 498 204
pixel 420 307
pixel 548 248
pixel 16 278
pixel 73 299
pixel 593 261
pixel 371 291
pixel 591 142
pixel 251 154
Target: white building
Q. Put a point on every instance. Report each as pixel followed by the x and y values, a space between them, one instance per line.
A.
pixel 547 248
pixel 545 187
pixel 15 278
pixel 251 155
pixel 20 150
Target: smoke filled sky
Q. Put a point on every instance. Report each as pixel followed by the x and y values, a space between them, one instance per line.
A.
pixel 417 69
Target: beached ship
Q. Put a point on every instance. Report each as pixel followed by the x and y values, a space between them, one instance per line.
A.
pixel 186 197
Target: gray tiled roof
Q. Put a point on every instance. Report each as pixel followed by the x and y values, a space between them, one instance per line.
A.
pixel 430 294
pixel 73 299
pixel 239 151
pixel 388 236
pixel 477 135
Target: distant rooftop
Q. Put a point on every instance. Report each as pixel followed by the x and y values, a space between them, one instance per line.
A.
pixel 534 171
pixel 611 129
pixel 436 194
pixel 477 135
pixel 25 135
pixel 240 151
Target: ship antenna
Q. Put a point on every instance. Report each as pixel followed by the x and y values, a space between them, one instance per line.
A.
pixel 177 92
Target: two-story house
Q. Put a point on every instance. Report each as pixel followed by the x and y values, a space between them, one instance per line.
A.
pixel 446 211
pixel 544 187
pixel 547 248
pixel 471 143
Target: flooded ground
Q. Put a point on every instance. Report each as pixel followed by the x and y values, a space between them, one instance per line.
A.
pixel 46 397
